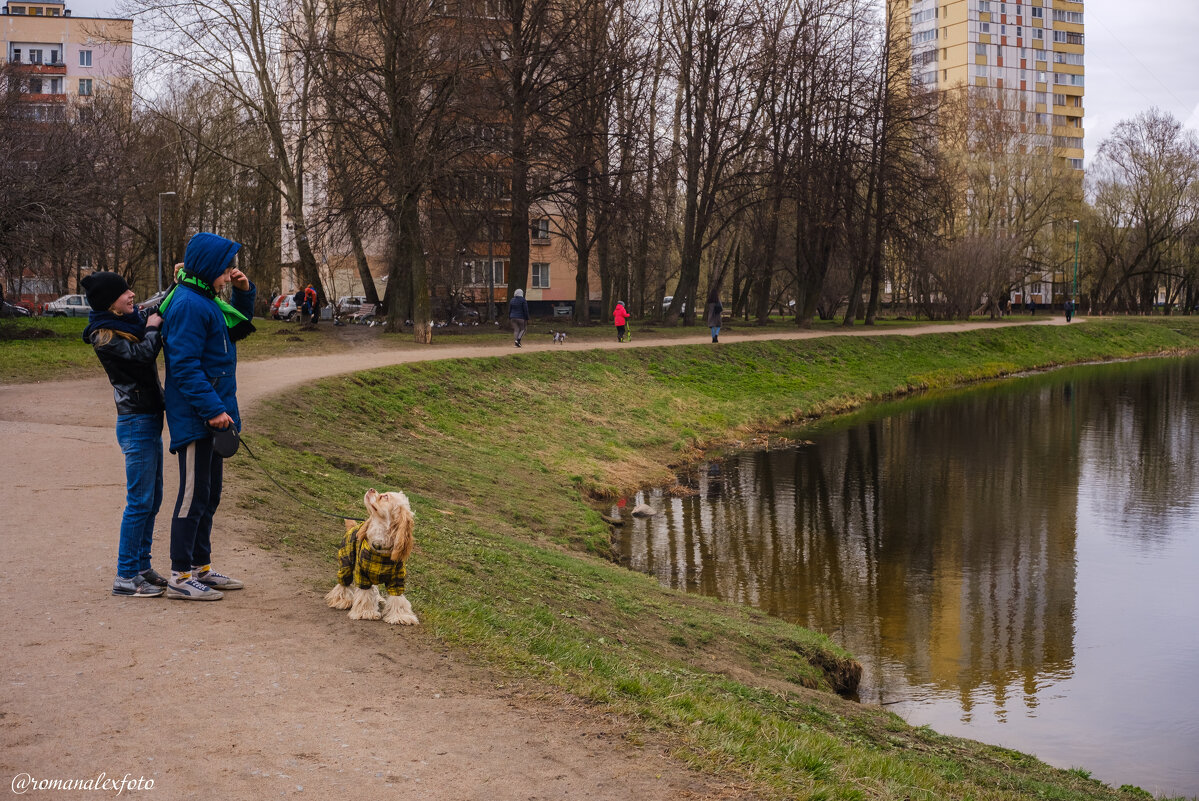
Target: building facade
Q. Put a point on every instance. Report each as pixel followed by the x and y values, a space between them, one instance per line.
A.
pixel 62 57
pixel 1030 49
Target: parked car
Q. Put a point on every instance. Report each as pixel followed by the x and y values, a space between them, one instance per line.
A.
pixel 666 305
pixel 350 304
pixel 67 306
pixel 13 310
pixel 284 308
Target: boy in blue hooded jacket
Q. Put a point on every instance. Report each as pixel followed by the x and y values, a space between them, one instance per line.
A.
pixel 199 335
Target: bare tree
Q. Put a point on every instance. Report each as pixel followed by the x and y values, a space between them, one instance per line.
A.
pixel 254 52
pixel 1145 203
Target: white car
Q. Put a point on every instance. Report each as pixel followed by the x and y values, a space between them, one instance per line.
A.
pixel 67 306
pixel 284 308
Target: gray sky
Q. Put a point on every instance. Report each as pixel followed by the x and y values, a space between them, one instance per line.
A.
pixel 1140 53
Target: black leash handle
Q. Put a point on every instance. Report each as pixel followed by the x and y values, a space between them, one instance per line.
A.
pixel 266 472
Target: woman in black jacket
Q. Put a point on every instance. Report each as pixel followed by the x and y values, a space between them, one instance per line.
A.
pixel 127 342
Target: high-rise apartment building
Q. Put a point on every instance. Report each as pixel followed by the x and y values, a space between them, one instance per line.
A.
pixel 61 57
pixel 1029 50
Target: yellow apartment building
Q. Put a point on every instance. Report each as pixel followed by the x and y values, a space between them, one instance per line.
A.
pixel 1033 48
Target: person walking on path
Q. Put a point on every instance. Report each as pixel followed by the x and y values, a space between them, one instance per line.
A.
pixel 200 332
pixel 1069 310
pixel 621 315
pixel 713 313
pixel 127 343
pixel 518 316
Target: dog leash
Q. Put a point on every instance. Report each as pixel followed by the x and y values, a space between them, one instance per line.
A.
pixel 286 492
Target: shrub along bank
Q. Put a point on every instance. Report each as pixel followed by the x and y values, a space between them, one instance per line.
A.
pixel 500 457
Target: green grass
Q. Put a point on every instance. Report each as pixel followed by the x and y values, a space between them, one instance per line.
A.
pixel 502 458
pixel 59 353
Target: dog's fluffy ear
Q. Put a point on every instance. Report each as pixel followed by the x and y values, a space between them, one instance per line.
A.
pixel 350 524
pixel 403 523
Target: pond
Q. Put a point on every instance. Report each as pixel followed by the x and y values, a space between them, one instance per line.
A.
pixel 1015 563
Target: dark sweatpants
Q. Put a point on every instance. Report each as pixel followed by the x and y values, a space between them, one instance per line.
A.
pixel 200 475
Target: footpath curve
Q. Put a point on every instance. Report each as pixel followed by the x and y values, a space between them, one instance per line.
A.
pixel 266 693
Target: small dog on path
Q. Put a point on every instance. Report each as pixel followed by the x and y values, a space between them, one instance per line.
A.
pixel 559 336
pixel 372 555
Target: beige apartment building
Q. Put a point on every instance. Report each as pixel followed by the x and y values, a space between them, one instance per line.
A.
pixel 61 57
pixel 1033 49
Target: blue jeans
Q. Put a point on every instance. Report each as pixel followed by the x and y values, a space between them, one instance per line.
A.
pixel 140 437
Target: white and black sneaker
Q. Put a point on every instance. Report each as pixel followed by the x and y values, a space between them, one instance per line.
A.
pixel 186 588
pixel 218 581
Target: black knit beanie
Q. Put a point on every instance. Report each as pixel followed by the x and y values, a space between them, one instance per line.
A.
pixel 103 289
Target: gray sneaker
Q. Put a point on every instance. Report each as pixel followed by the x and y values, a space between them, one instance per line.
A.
pixel 218 581
pixel 188 589
pixel 136 587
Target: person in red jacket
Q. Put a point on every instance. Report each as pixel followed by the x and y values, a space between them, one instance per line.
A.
pixel 621 315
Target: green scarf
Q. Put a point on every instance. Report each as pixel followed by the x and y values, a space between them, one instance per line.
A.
pixel 238 324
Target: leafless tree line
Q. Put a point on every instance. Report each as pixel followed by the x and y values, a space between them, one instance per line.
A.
pixel 774 155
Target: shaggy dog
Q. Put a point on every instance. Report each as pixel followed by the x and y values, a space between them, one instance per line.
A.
pixel 373 553
pixel 559 336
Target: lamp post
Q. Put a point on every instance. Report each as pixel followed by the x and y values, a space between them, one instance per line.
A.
pixel 161 195
pixel 1074 294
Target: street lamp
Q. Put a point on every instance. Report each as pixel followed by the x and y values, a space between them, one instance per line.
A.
pixel 1074 294
pixel 161 195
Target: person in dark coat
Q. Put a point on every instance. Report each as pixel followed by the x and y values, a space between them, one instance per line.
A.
pixel 200 332
pixel 518 315
pixel 127 341
pixel 714 313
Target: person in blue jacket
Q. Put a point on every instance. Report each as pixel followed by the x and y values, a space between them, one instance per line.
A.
pixel 200 331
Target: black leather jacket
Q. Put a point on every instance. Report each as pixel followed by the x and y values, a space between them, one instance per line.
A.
pixel 132 369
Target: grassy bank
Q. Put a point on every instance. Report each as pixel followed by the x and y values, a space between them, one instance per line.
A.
pixel 501 456
pixel 51 348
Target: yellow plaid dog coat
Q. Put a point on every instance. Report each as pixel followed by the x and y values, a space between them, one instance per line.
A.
pixel 363 566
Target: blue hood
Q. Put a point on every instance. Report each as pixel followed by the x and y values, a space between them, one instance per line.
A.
pixel 209 255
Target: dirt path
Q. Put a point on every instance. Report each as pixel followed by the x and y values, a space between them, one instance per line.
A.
pixel 268 692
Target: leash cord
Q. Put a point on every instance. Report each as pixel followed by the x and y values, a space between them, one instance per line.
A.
pixel 286 492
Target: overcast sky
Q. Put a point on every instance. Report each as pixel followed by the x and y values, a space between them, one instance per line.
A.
pixel 1139 53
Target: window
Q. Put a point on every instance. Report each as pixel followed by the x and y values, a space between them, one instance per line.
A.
pixel 541 228
pixel 1038 12
pixel 16 55
pixel 35 56
pixel 980 50
pixel 1076 163
pixel 54 57
pixel 16 9
pixel 1059 100
pixel 541 275
pixel 35 86
pixel 924 16
pixel 1068 58
pixel 984 6
pixel 1074 17
pixel 1067 37
pixel 85 87
pixel 56 86
pixel 85 58
pixel 924 36
pixel 1037 33
pixel 985 27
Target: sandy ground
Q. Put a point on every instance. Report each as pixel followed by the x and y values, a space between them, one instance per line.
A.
pixel 268 692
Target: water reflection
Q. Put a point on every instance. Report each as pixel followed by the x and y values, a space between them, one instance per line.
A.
pixel 939 540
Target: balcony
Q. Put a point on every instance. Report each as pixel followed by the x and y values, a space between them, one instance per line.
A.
pixel 50 68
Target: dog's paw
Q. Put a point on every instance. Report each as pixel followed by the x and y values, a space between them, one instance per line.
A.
pixel 339 597
pixel 397 610
pixel 365 605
